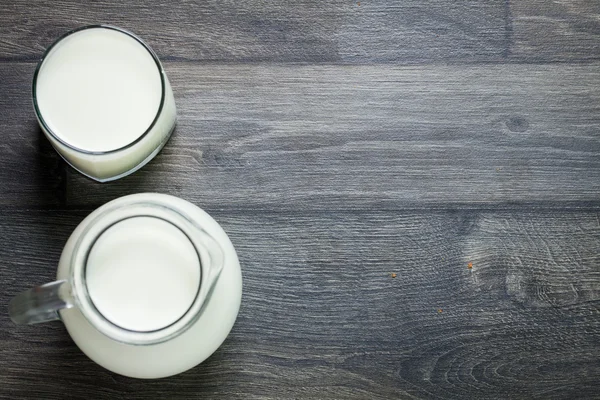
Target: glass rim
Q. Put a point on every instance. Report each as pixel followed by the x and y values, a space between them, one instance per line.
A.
pixel 45 126
pixel 78 268
pixel 89 249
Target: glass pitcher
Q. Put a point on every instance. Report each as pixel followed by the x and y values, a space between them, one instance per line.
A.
pixel 147 286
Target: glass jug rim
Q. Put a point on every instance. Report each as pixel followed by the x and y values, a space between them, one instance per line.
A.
pixel 113 215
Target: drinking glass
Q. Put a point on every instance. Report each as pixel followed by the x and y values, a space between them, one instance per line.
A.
pixel 78 113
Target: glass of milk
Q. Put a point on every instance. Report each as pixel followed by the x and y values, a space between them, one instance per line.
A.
pixel 147 286
pixel 104 101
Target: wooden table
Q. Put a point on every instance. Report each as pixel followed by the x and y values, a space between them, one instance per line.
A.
pixel 413 189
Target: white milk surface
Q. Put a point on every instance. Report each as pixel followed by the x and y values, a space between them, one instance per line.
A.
pixel 98 89
pixel 143 273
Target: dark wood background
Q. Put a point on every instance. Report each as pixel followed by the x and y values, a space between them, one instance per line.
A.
pixel 339 143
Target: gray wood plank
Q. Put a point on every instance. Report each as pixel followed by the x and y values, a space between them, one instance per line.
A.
pixel 281 31
pixel 545 31
pixel 359 136
pixel 269 136
pixel 405 32
pixel 323 318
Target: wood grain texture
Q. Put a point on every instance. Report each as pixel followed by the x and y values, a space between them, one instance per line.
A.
pixel 560 30
pixel 280 31
pixel 339 143
pixel 404 32
pixel 323 318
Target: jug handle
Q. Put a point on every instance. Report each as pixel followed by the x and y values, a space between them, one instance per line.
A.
pixel 41 303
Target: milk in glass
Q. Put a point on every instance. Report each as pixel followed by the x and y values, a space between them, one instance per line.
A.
pixel 104 101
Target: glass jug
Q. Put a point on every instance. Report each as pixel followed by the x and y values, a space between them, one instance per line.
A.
pixel 148 286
